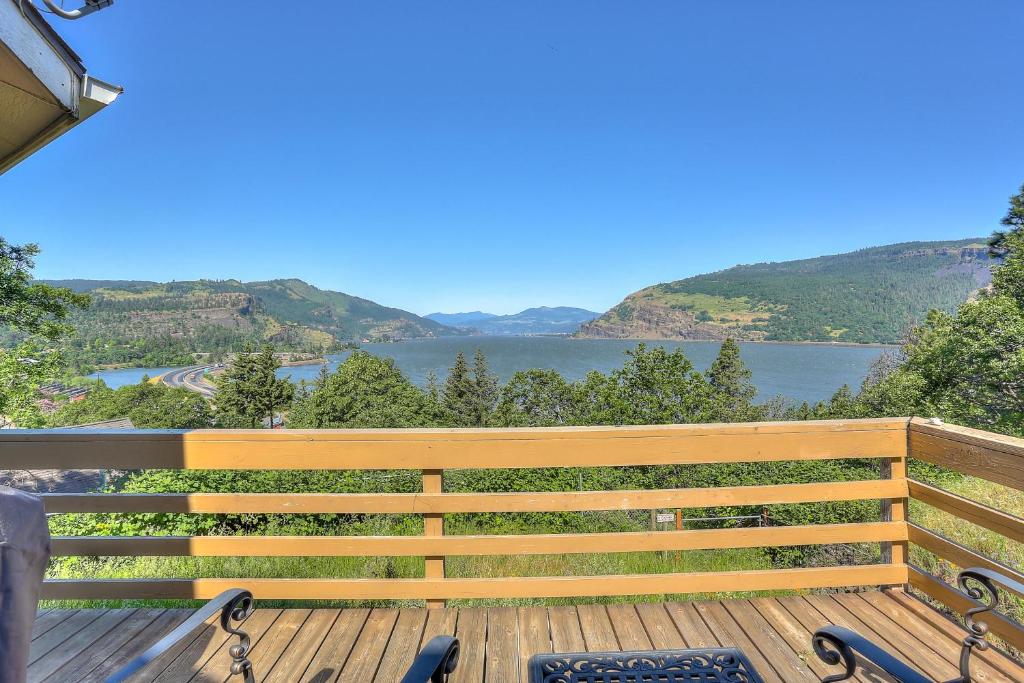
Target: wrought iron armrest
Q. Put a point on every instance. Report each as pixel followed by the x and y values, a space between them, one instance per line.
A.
pixel 835 645
pixel 234 605
pixel 436 660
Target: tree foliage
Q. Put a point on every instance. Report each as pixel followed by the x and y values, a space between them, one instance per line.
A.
pixel 148 405
pixel 469 396
pixel 966 367
pixel 731 384
pixel 32 316
pixel 364 392
pixel 30 307
pixel 250 390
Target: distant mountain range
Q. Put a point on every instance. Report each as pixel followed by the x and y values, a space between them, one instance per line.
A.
pixel 218 313
pixel 870 295
pixel 540 320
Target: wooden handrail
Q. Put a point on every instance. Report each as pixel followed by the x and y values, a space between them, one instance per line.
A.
pixel 994 457
pixel 434 449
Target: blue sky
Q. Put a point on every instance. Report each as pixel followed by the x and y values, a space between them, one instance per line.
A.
pixel 485 155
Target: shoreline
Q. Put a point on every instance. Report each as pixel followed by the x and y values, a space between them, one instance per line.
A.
pixel 870 345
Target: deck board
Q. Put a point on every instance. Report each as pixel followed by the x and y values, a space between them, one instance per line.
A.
pixel 534 637
pixel 335 648
pixel 471 630
pixel 364 660
pixel 303 647
pixel 403 645
pixel 502 659
pixel 566 634
pixel 328 645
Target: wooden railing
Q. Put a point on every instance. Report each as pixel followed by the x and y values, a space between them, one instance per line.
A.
pixel 992 457
pixel 433 452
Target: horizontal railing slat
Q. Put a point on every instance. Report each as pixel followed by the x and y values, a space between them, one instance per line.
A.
pixel 939 590
pixel 994 520
pixel 531 544
pixel 959 555
pixel 415 503
pixel 518 587
pixel 453 449
pixel 994 457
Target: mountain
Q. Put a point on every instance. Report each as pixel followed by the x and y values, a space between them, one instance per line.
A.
pixel 540 320
pixel 461 319
pixel 870 295
pixel 205 315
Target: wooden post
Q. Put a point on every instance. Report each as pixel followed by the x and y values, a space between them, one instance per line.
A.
pixel 894 509
pixel 433 525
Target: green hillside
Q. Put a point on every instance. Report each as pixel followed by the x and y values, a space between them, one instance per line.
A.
pixel 136 322
pixel 870 295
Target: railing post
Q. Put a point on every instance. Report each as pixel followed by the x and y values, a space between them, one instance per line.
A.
pixel 894 509
pixel 433 525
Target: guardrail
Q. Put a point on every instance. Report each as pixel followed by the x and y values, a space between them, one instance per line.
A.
pixel 994 457
pixel 433 452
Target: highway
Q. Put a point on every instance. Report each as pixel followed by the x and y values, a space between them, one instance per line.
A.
pixel 191 378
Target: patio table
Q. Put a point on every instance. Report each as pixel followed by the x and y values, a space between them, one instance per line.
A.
pixel 701 665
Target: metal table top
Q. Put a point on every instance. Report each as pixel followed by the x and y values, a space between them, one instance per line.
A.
pixel 701 665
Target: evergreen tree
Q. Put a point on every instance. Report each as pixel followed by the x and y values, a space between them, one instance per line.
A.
pixel 730 382
pixel 485 389
pixel 457 394
pixel 249 390
pixel 469 395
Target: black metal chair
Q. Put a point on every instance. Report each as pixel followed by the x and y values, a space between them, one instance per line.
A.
pixel 837 645
pixel 433 664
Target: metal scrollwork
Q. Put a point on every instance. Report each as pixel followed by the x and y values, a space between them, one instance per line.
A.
pixel 712 664
pixel 978 585
pixel 832 650
pixel 236 611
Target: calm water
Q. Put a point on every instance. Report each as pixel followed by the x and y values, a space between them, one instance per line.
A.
pixel 126 376
pixel 802 372
pixel 797 371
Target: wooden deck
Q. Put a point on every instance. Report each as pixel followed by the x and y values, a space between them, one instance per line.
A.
pixel 378 644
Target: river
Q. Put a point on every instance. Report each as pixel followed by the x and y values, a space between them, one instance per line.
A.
pixel 800 372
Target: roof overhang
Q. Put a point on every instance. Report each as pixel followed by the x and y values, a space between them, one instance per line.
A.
pixel 44 88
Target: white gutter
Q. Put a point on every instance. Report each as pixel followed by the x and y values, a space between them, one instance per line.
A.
pixel 44 88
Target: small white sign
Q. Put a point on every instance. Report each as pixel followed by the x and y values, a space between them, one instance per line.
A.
pixel 666 517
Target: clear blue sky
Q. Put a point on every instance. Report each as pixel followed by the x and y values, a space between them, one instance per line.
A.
pixel 484 155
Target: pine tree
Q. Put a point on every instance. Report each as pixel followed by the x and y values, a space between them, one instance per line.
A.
pixel 457 393
pixel 485 389
pixel 730 381
pixel 249 390
pixel 469 396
